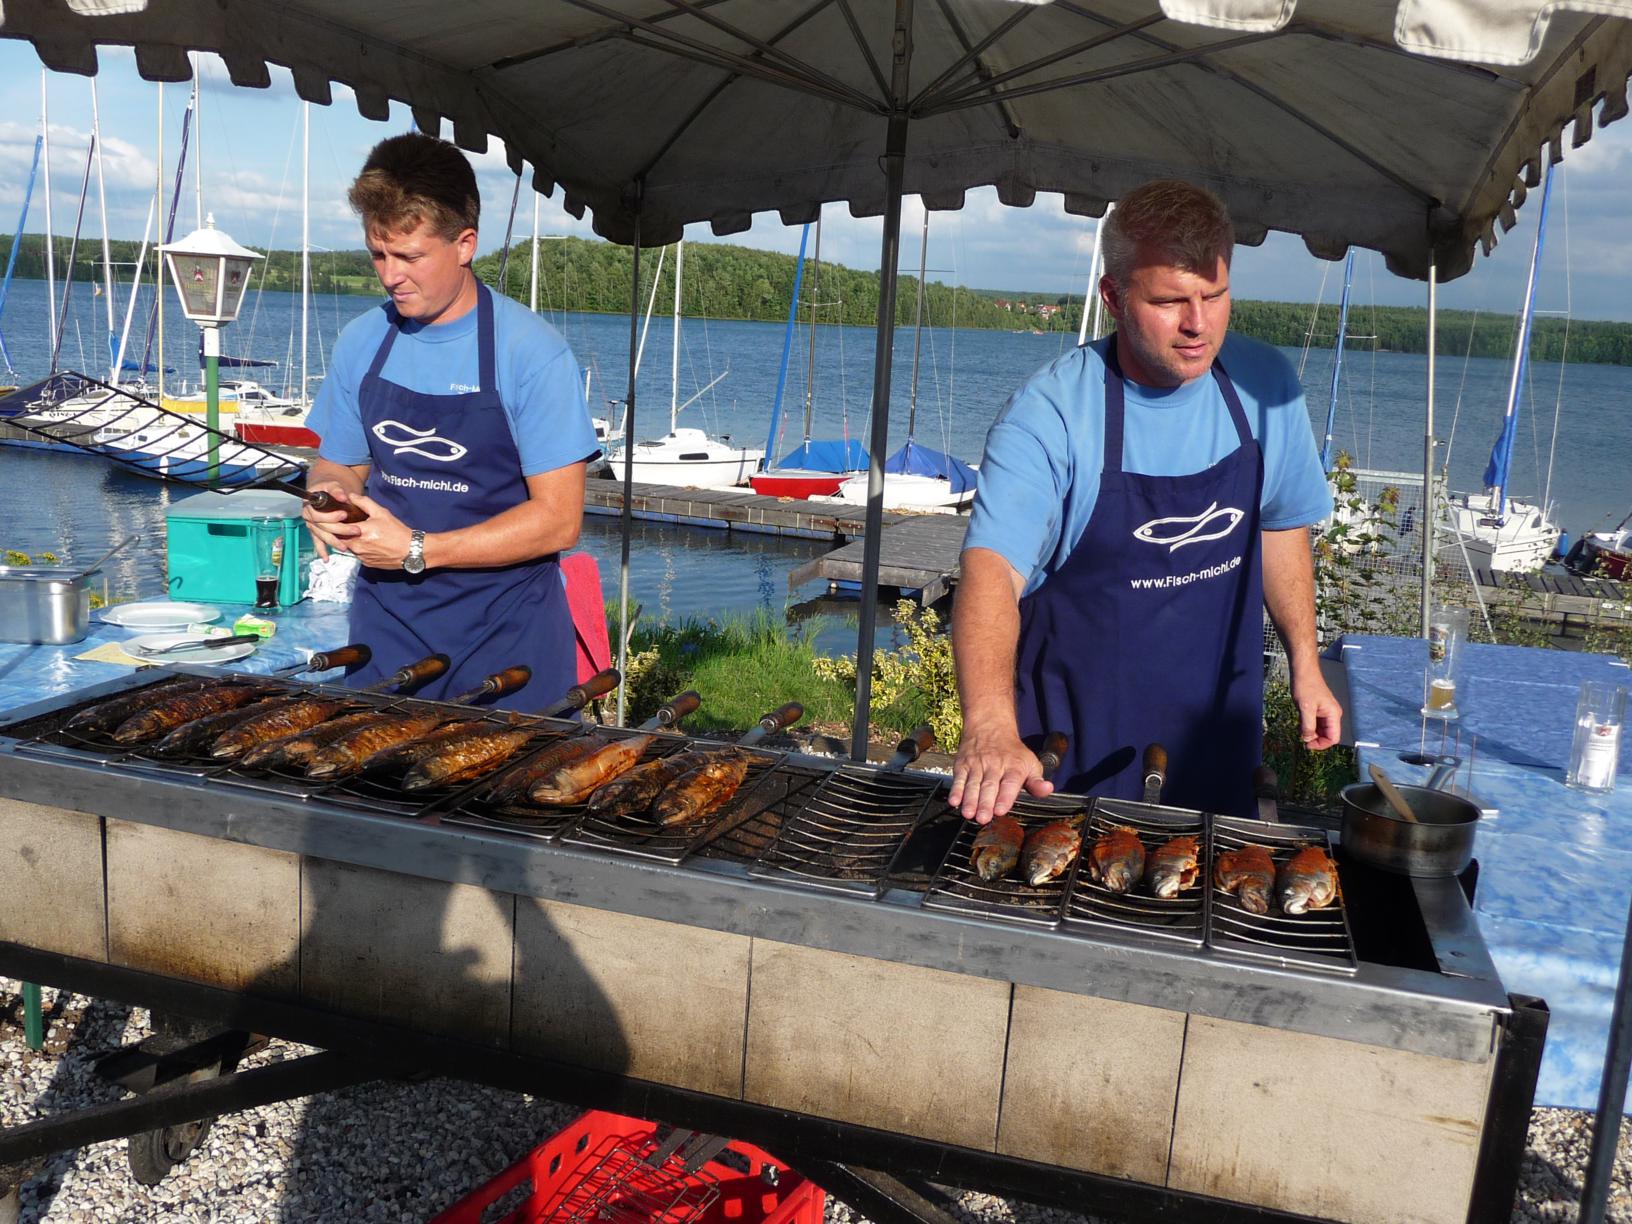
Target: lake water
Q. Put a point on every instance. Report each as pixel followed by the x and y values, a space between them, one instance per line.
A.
pixel 77 507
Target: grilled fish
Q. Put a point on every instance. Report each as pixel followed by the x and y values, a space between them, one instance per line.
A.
pixel 997 848
pixel 577 780
pixel 1049 851
pixel 702 791
pixel 1249 873
pixel 512 787
pixel 342 757
pixel 1306 881
pixel 632 793
pixel 195 737
pixel 404 756
pixel 168 715
pixel 292 750
pixel 1117 859
pixel 288 718
pixel 1173 867
pixel 106 715
pixel 466 757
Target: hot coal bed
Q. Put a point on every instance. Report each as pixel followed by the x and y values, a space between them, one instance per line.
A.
pixel 816 969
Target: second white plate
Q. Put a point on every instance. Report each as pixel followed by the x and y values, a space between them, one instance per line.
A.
pixel 158 641
pixel 160 614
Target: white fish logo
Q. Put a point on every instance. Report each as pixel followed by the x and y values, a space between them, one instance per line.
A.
pixel 406 440
pixel 1211 524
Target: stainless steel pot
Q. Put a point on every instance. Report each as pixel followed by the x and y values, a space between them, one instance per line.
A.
pixel 1439 844
pixel 43 604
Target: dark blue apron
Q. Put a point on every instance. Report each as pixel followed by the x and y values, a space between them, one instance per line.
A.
pixel 1152 630
pixel 441 462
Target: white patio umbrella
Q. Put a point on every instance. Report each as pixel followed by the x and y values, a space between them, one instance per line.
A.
pixel 1413 127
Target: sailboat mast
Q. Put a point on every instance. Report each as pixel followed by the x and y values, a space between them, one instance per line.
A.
pixel 532 292
pixel 50 231
pixel 674 384
pixel 102 201
pixel 305 240
pixel 810 355
pixel 1496 474
pixel 918 327
pixel 1337 361
pixel 198 151
pixel 1099 302
pixel 1092 296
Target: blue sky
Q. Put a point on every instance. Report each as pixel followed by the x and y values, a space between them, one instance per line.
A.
pixel 251 181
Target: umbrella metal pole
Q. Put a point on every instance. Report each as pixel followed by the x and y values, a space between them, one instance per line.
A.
pixel 626 517
pixel 1606 1129
pixel 1428 507
pixel 895 156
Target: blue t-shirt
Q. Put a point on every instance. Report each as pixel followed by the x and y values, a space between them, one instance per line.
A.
pixel 1039 478
pixel 539 382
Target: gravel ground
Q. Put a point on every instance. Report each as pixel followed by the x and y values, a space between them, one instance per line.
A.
pixel 404 1151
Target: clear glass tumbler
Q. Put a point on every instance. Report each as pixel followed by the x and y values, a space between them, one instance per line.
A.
pixel 268 533
pixel 1600 713
pixel 1447 636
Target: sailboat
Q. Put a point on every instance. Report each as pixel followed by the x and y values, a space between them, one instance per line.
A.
pixel 813 468
pixel 1605 553
pixel 916 477
pixel 1502 532
pixel 689 458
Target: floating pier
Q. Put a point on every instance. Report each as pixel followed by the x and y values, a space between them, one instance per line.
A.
pixel 1569 601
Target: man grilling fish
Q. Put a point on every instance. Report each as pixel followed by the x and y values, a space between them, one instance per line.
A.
pixel 1140 499
pixel 456 419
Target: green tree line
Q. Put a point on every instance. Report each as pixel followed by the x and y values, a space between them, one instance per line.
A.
pixel 725 281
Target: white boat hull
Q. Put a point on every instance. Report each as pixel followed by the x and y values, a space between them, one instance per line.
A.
pixel 688 458
pixel 905 491
pixel 1520 542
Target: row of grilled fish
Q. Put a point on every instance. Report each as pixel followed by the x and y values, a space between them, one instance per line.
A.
pixel 1118 861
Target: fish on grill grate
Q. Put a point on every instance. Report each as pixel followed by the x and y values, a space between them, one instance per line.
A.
pixel 1050 850
pixel 577 780
pixel 404 756
pixel 342 757
pixel 290 718
pixel 106 715
pixel 168 715
pixel 1249 873
pixel 1306 881
pixel 292 750
pixel 513 786
pixel 701 792
pixel 632 793
pixel 193 738
pixel 1117 859
pixel 1173 867
pixel 997 848
pixel 466 758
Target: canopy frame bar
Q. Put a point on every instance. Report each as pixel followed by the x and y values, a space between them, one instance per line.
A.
pixel 862 46
pixel 938 102
pixel 589 40
pixel 973 53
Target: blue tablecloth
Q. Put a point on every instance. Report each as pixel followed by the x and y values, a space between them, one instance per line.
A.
pixel 1555 865
pixel 32 673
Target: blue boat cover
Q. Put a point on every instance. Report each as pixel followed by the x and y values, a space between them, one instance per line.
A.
pixel 914 459
pixel 829 456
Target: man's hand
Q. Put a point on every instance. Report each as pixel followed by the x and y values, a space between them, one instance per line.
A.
pixel 1320 718
pixel 380 541
pixel 990 771
pixel 323 523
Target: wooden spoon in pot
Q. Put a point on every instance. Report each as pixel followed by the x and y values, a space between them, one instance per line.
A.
pixel 1390 792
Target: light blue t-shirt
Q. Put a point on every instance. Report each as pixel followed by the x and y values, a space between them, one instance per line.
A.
pixel 1039 478
pixel 539 382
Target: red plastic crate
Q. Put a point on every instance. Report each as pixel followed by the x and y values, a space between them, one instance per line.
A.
pixel 595 1171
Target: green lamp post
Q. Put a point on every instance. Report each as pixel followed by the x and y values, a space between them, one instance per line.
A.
pixel 211 273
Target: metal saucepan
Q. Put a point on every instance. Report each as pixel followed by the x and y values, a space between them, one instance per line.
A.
pixel 1439 844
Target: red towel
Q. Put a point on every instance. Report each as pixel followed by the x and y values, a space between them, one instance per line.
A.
pixel 583 579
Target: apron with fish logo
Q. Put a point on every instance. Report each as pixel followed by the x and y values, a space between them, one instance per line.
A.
pixel 1152 630
pixel 441 462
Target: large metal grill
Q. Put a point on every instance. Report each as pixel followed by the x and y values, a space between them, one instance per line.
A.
pixel 1140 911
pixel 1319 939
pixel 958 887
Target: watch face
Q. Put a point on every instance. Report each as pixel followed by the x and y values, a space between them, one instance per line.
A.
pixel 413 564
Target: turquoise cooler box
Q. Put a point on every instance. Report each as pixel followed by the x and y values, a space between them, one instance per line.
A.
pixel 212 546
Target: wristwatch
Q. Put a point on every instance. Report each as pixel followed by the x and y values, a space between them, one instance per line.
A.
pixel 414 562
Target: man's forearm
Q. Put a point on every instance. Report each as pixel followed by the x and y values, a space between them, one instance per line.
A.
pixel 1289 593
pixel 521 533
pixel 985 636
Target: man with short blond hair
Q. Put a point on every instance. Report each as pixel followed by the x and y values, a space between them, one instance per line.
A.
pixel 1140 500
pixel 455 419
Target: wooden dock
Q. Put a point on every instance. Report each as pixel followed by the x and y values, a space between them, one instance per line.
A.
pixel 919 554
pixel 1570 601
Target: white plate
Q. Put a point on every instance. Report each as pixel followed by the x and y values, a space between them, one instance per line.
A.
pixel 158 641
pixel 160 614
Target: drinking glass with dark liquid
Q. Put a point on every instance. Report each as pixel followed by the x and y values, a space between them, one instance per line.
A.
pixel 268 561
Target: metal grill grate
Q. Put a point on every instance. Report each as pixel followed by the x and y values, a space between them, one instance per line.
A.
pixel 845 835
pixel 624 1187
pixel 476 809
pixel 1319 939
pixel 957 886
pixel 1180 918
pixel 641 837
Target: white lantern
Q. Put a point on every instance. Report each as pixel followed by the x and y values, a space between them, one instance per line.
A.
pixel 211 273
